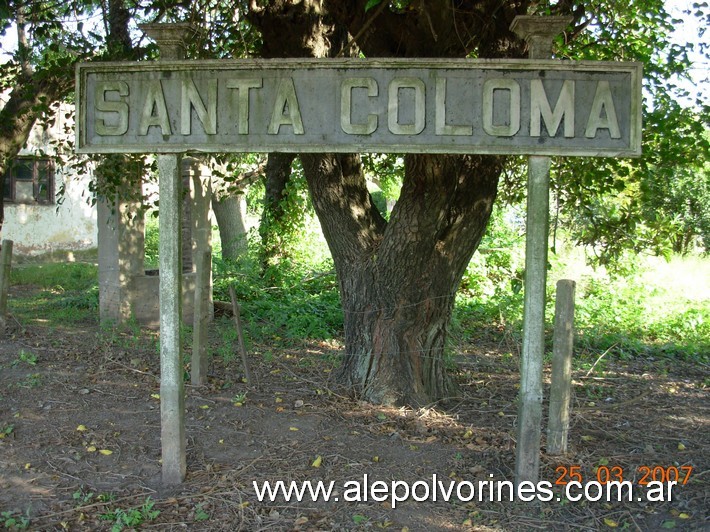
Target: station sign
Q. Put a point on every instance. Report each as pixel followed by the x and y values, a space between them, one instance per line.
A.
pixel 533 107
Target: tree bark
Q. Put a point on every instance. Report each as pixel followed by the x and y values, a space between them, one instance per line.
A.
pixel 230 212
pixel 272 225
pixel 398 279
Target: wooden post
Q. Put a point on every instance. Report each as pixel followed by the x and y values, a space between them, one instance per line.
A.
pixel 5 268
pixel 170 39
pixel 240 335
pixel 200 360
pixel 539 33
pixel 201 243
pixel 563 346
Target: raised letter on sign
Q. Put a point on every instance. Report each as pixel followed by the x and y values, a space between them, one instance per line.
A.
pixel 191 100
pixel 442 128
pixel 243 86
pixel 111 106
pixel 154 101
pixel 286 110
pixel 603 101
pixel 346 105
pixel 393 106
pixel 513 124
pixel 540 109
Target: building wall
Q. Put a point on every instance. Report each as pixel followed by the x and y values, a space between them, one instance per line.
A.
pixel 38 229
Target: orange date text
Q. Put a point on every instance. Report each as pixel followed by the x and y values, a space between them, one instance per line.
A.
pixel 564 474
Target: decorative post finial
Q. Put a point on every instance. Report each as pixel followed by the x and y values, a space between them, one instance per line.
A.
pixel 539 32
pixel 170 37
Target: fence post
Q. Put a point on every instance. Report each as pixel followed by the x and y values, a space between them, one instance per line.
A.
pixel 5 267
pixel 200 359
pixel 562 349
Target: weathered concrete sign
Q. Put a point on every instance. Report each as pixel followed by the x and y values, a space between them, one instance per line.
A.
pixel 441 106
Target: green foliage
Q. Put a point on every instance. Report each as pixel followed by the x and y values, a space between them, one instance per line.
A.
pixel 152 237
pixel 296 298
pixel 640 313
pixel 14 520
pixel 282 224
pixel 33 380
pixel 59 276
pixel 82 497
pixel 201 514
pixel 386 172
pixel 496 269
pixel 635 317
pixel 25 357
pixel 131 518
pixel 659 202
pixel 6 431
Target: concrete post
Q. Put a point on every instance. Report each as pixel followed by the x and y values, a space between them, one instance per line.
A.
pixel 121 239
pixel 201 233
pixel 562 348
pixel 170 39
pixel 538 32
pixel 5 268
pixel 172 392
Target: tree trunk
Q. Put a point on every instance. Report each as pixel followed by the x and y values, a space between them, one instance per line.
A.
pixel 398 280
pixel 230 212
pixel 272 225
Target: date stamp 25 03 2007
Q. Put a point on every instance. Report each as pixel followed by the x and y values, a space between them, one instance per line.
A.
pixel 641 475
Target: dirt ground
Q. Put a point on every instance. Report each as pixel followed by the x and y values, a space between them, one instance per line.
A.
pixel 80 445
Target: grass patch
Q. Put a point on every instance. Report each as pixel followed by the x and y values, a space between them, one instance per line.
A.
pixel 57 276
pixel 648 313
pixel 66 293
pixel 660 309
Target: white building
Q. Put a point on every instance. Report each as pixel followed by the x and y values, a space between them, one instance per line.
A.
pixel 38 219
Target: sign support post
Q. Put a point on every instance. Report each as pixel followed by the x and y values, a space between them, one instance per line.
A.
pixel 539 33
pixel 170 40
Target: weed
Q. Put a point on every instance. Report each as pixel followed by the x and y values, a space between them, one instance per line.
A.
pixel 31 381
pixel 268 357
pixel 105 497
pixel 82 497
pixel 23 356
pixel 200 514
pixel 360 520
pixel 14 520
pixel 6 431
pixel 240 398
pixel 131 518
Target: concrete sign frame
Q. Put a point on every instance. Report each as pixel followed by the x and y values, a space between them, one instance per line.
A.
pixel 361 105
